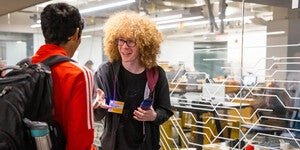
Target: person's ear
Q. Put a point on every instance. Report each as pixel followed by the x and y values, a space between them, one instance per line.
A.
pixel 75 35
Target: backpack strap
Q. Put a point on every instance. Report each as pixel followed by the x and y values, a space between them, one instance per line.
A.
pixel 48 62
pixel 152 77
pixel 56 59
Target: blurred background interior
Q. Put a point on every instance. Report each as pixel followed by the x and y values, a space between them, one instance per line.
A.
pixel 232 65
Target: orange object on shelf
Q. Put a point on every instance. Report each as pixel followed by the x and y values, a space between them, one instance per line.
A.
pixel 231 86
pixel 249 147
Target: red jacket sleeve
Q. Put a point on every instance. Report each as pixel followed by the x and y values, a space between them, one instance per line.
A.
pixel 73 101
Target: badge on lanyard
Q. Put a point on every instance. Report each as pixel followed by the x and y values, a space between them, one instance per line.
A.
pixel 116 106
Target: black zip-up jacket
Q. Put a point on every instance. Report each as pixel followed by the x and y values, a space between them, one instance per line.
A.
pixel 106 78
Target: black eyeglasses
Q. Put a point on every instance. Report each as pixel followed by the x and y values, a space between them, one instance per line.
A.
pixel 129 42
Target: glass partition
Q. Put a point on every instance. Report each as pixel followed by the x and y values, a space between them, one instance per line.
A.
pixel 257 66
pixel 232 65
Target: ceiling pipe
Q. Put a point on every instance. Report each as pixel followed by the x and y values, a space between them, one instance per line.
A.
pixel 222 9
pixel 211 16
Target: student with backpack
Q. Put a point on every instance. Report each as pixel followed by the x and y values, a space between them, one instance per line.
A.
pixel 134 89
pixel 62 26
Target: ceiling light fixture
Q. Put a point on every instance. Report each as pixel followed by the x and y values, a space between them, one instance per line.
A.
pixel 157 19
pixel 295 4
pixel 20 42
pixel 186 24
pixel 275 33
pixel 92 29
pixel 180 20
pixel 37 25
pixel 185 35
pixel 86 36
pixel 102 7
pixel 237 18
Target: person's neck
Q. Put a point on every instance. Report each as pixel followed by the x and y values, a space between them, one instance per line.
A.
pixel 66 47
pixel 134 68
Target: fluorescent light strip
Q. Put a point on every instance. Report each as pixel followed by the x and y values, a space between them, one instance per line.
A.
pixel 20 42
pixel 86 36
pixel 295 4
pixel 186 24
pixel 38 25
pixel 180 20
pixel 167 18
pixel 202 33
pixel 276 33
pixel 237 18
pixel 185 35
pixel 177 25
pixel 169 26
pixel 102 7
pixel 93 29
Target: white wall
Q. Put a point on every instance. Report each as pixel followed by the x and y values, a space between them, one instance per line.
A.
pixel 15 52
pixel 254 56
pixel 89 49
pixel 38 40
pixel 178 51
pixel 254 53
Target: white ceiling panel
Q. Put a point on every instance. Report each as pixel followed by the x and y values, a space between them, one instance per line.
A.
pixel 14 5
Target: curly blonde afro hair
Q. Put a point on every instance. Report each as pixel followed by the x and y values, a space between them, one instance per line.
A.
pixel 129 24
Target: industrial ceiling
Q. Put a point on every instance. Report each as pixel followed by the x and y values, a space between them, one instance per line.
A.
pixel 26 13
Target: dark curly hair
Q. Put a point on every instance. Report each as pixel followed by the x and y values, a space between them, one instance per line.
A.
pixel 59 22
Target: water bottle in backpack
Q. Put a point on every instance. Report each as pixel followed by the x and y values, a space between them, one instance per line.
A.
pixel 40 132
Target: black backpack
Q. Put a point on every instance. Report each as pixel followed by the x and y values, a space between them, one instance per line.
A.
pixel 26 91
